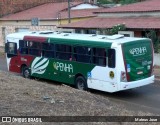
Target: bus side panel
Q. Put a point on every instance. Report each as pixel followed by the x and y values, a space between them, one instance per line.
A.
pixel 108 79
pixel 100 79
pixel 14 65
pixel 17 61
pixel 59 70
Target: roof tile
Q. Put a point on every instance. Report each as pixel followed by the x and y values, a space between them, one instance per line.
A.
pixel 45 11
pixel 145 6
pixel 131 22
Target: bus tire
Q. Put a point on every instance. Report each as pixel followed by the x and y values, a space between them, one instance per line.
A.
pixel 81 83
pixel 26 72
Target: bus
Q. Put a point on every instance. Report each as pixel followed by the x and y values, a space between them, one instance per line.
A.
pixel 87 61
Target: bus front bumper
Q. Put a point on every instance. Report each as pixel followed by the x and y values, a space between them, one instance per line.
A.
pixel 135 84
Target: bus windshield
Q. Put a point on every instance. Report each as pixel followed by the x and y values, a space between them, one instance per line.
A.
pixel 138 59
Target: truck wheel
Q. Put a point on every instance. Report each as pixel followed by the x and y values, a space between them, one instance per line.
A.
pixel 80 83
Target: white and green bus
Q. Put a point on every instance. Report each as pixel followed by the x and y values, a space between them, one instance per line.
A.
pixel 106 63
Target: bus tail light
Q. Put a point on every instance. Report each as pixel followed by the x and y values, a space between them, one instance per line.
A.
pixel 123 77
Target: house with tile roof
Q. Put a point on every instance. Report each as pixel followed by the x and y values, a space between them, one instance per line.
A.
pixel 13 6
pixel 138 18
pixel 46 17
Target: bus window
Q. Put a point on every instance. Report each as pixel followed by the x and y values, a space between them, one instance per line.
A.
pixel 63 51
pixel 11 49
pixel 111 58
pixel 34 48
pixel 48 50
pixel 82 54
pixel 99 56
pixel 23 47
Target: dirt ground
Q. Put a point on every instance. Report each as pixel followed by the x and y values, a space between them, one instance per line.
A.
pixel 29 97
pixel 2 51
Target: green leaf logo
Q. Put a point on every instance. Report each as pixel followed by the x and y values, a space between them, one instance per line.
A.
pixel 39 65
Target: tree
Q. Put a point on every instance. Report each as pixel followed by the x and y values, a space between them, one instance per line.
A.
pixel 113 30
pixel 104 1
pixel 155 39
pixel 116 28
pixel 118 1
pixel 128 1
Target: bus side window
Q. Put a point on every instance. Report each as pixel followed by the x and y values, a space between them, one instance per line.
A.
pixel 35 48
pixel 111 58
pixel 63 51
pixel 11 49
pixel 99 56
pixel 23 47
pixel 48 50
pixel 82 54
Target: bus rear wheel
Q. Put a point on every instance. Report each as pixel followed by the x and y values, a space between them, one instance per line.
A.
pixel 25 72
pixel 80 83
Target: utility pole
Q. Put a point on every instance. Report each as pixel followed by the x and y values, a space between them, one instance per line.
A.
pixel 69 12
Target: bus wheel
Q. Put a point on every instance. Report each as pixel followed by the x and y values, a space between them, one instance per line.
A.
pixel 25 72
pixel 80 83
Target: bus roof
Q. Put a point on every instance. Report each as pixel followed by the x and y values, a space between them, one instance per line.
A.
pixel 104 39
